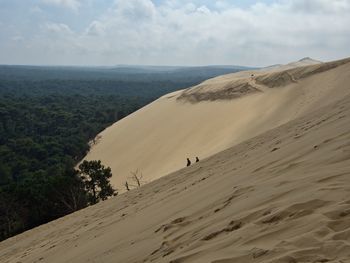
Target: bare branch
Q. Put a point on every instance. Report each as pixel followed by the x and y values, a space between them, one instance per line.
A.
pixel 137 177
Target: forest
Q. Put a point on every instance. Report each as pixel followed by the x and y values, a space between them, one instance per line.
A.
pixel 48 116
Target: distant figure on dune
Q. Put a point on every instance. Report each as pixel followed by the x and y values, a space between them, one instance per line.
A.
pixel 188 162
pixel 197 160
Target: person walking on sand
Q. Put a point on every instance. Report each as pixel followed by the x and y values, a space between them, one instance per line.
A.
pixel 188 162
pixel 197 160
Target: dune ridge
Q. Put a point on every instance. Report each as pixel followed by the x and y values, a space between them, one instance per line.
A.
pixel 307 61
pixel 283 78
pixel 281 196
pixel 230 86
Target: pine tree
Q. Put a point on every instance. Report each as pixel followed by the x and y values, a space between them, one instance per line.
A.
pixel 96 179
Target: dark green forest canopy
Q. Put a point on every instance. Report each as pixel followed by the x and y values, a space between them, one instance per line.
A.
pixel 48 115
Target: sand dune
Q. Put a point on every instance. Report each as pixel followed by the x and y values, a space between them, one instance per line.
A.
pixel 215 115
pixel 281 196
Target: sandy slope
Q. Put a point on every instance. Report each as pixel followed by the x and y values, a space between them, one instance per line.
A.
pixel 215 115
pixel 283 196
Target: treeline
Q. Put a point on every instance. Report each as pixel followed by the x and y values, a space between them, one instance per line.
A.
pixel 47 118
pixel 41 140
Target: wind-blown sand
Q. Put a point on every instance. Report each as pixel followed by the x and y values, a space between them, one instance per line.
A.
pixel 281 196
pixel 232 108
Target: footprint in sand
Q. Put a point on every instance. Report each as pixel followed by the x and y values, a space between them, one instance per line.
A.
pixel 181 221
pixel 232 226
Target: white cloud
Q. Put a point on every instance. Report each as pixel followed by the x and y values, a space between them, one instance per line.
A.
pixel 71 4
pixel 135 10
pixel 180 32
pixel 58 28
pixel 35 10
pixel 326 6
pixel 203 9
pixel 139 32
pixel 96 28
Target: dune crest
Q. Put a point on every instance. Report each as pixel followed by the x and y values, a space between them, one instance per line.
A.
pixel 283 78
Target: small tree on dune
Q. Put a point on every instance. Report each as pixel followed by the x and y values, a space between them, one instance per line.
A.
pixel 96 179
pixel 137 178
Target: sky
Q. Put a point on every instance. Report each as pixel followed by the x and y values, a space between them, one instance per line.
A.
pixel 172 32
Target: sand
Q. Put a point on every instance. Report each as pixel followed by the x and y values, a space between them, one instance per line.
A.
pixel 280 196
pixel 157 139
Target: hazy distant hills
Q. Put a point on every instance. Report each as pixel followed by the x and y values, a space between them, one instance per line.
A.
pixel 120 72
